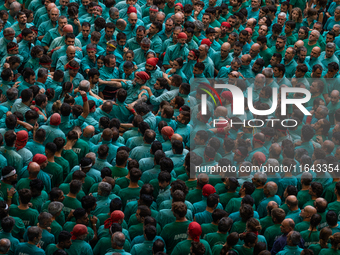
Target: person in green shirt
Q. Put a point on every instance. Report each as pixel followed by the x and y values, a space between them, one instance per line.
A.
pixel 68 152
pixel 293 209
pixel 306 214
pixel 28 215
pixel 7 225
pixel 325 233
pixel 54 170
pixel 206 216
pixel 131 193
pixel 34 235
pixel 267 221
pixel 79 245
pixel 120 170
pixel 303 195
pixel 64 242
pixel 273 232
pixel 311 235
pixel 55 209
pixel 220 237
pixel 7 191
pixel 334 250
pixel 60 142
pixel 117 242
pixel 234 204
pixel 293 240
pixel 250 240
pixel 70 201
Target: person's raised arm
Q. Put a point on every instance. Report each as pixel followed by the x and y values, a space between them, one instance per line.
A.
pixel 86 108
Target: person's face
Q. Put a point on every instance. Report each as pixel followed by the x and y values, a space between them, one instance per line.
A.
pixel 281 20
pixel 285 228
pixel 47 2
pixel 145 47
pixel 71 53
pixel 212 3
pixel 313 88
pixel 273 61
pixel 318 114
pixel 289 54
pixel 43 165
pixel 329 52
pixel 202 51
pixel 231 40
pixel 263 30
pixel 334 98
pixel 91 54
pixel 62 23
pixel 153 29
pixel 85 219
pixel 206 20
pixel 133 20
pixel 224 51
pixel 301 34
pixel 317 73
pixel 295 15
pixel 67 244
pixel 139 35
pixel 112 63
pixel 337 14
pixel 100 63
pixel 169 25
pixel 22 19
pixel 254 3
pixel 243 38
pixel 235 66
pixel 54 14
pixel 315 53
pixel 64 2
pixel 329 38
pixel 5 18
pixel 122 42
pixel 115 15
pixel 32 79
pixel 211 37
pixel 95 79
pixel 149 67
pixel 280 44
pixel 109 32
pixel 157 85
pixel 196 71
pixel 86 31
pixel 128 57
pixel 318 124
pixel 61 197
pixel 258 83
pixel 233 3
pixel 313 37
pixel 276 72
pixel 232 21
pixel 288 29
pixel 237 51
pixel 73 72
pixel 191 56
pixel 302 55
pixel 256 68
pixel 69 42
pixel 175 65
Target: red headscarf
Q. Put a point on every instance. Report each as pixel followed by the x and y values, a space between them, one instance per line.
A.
pixel 182 35
pixel 22 138
pixel 152 61
pixel 208 190
pixel 143 75
pixel 259 157
pixel 39 158
pixel 226 24
pixel 206 42
pixel 180 5
pixel 78 230
pixel 55 119
pixel 195 231
pixel 116 216
pixel 131 9
pixel 229 96
pixel 167 131
pixel 249 30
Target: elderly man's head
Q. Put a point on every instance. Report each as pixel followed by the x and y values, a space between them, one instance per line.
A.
pixel 5 245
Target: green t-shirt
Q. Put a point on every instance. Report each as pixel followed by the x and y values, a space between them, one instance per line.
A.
pixel 272 233
pixel 226 197
pixel 29 216
pixel 3 193
pixel 70 204
pixel 119 172
pixel 183 247
pixel 216 239
pixel 313 238
pixel 129 194
pixel 174 233
pixel 303 197
pixel 64 164
pixel 60 219
pixel 243 250
pixel 71 157
pixel 316 248
pixel 257 196
pixel 266 222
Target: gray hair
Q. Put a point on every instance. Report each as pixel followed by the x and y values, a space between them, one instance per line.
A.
pixel 337 25
pixel 8 31
pixel 14 5
pixel 324 110
pixel 330 45
pixel 33 232
pixel 237 61
pixel 84 85
pixel 12 93
pixel 118 238
pixel 261 177
pixel 154 7
pixel 206 47
pixel 113 10
pixel 55 207
pixel 42 72
pixel 272 188
pixel 307 176
pixel 234 34
pixel 295 237
pixel 268 72
pixel 104 188
pixel 43 217
pixel 273 162
pixel 146 40
pixel 113 42
pixel 161 13
pixel 337 8
pixel 282 14
pixel 199 25
pixel 5 244
pixel 317 32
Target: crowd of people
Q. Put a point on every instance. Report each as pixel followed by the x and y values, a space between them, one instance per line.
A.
pixel 106 148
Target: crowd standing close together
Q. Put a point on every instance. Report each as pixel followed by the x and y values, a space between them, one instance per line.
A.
pixel 102 128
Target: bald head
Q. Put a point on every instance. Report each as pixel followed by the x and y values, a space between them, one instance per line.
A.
pixel 235 74
pixel 254 50
pixel 270 189
pixel 176 137
pixel 274 150
pixel 33 169
pixel 70 49
pixel 68 29
pixel 202 179
pixel 335 93
pixel 88 132
pixel 246 59
pixel 5 245
pixel 308 211
pixel 292 202
pixel 132 15
pixel 328 146
pixel 226 46
pixel 287 225
pixel 221 111
pixel 299 43
pixel 51 6
pixel 92 156
pixel 271 205
pixel 320 204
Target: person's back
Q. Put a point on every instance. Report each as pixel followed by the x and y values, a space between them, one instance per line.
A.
pixel 30 248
